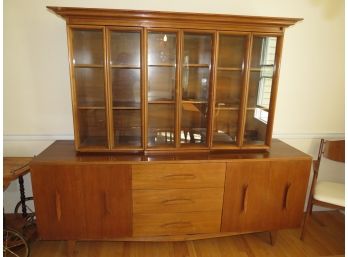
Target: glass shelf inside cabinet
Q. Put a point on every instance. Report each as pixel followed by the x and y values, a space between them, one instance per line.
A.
pixel 125 60
pixel 260 87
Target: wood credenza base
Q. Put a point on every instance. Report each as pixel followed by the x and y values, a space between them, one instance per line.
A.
pixel 166 198
pixel 71 244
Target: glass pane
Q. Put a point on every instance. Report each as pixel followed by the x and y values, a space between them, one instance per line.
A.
pixel 263 51
pixel 161 124
pixel 228 88
pixel 195 83
pixel 260 87
pixel 125 87
pixel 255 128
pixel 197 49
pixel 89 83
pixel 193 123
pixel 225 126
pixel 231 51
pixel 127 126
pixel 92 127
pixel 125 48
pixel 88 46
pixel 161 83
pixel 161 48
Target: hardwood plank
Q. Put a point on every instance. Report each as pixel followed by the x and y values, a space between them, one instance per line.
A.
pixel 325 237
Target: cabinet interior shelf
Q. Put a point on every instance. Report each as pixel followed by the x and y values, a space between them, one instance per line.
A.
pixel 91 108
pixel 227 108
pixel 196 65
pixel 122 66
pixel 229 69
pixel 162 65
pixel 88 66
pixel 161 102
pixel 194 102
pixel 125 108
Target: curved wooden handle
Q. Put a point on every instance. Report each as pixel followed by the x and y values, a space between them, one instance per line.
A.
pixel 58 206
pixel 180 176
pixel 245 198
pixel 285 196
pixel 177 201
pixel 179 224
pixel 106 203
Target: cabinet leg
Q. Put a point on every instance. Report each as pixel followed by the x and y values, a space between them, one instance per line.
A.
pixel 273 237
pixel 70 248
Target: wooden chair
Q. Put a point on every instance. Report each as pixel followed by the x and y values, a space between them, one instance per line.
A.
pixel 326 193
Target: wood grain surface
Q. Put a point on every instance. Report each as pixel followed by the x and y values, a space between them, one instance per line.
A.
pixel 325 237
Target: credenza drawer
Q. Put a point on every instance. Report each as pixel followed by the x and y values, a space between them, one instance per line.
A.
pixel 187 175
pixel 177 200
pixel 157 224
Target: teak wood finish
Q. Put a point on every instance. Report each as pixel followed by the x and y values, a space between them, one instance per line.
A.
pixel 167 197
pixel 146 22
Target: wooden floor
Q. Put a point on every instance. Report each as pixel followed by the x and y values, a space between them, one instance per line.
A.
pixel 324 237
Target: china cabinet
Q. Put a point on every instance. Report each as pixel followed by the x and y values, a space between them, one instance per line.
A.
pixel 144 81
pixel 182 107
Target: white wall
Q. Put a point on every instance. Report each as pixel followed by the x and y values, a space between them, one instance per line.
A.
pixel 37 107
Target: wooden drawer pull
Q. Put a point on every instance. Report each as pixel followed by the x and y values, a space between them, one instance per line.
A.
pixel 180 176
pixel 245 198
pixel 177 201
pixel 106 204
pixel 58 206
pixel 285 197
pixel 179 224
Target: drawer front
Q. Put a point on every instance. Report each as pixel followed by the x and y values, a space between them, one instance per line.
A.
pixel 166 176
pixel 177 200
pixel 176 223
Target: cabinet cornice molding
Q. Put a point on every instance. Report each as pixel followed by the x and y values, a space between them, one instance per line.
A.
pixel 74 15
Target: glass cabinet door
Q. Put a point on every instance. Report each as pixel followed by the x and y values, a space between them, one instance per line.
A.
pixel 260 85
pixel 195 87
pixel 161 88
pixel 229 85
pixel 89 85
pixel 125 80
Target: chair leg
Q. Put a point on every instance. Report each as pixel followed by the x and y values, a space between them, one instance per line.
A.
pixel 307 214
pixel 310 207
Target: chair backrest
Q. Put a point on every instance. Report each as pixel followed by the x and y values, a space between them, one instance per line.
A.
pixel 332 149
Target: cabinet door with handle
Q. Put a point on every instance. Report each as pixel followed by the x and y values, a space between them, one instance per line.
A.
pixel 289 180
pixel 82 201
pixel 108 201
pixel 59 203
pixel 246 197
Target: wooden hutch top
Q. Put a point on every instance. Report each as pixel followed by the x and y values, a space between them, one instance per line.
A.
pixel 153 81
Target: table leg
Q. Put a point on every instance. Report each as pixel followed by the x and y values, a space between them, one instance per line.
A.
pixel 22 194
